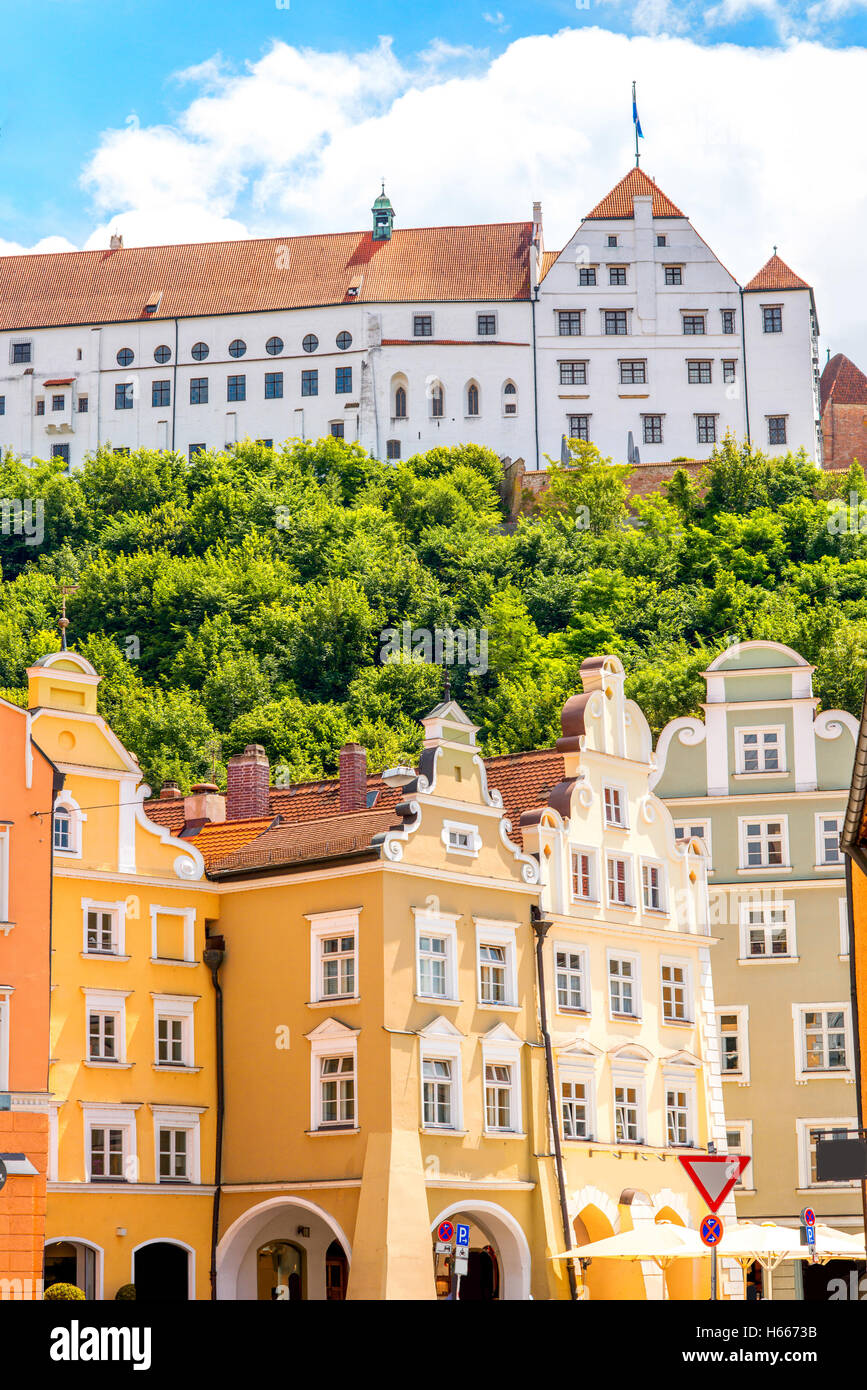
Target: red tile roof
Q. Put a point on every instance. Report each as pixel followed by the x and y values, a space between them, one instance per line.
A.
pixel 419 264
pixel 636 184
pixel 524 780
pixel 776 275
pixel 331 837
pixel 167 811
pixel 216 841
pixel 842 383
pixel 548 259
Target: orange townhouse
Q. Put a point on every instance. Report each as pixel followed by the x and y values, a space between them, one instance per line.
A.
pixel 29 782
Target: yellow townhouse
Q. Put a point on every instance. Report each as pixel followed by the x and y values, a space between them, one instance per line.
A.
pixel 133 1081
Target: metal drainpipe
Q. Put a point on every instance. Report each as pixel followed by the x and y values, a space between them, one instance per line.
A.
pixel 541 927
pixel 746 386
pixel 535 381
pixel 214 954
pixel 853 995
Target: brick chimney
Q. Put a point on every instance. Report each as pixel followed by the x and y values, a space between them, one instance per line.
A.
pixel 247 778
pixel 170 791
pixel 353 777
pixel 204 804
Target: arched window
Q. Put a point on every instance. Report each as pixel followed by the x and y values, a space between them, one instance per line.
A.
pixel 510 398
pixel 472 399
pixel 400 403
pixel 66 826
pixel 437 401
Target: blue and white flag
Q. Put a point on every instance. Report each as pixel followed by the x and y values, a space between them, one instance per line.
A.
pixel 635 121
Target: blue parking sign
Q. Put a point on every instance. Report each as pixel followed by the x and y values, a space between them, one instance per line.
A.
pixel 462 1235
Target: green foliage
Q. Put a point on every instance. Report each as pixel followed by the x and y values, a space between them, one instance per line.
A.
pixel 63 1291
pixel 245 596
pixel 126 1293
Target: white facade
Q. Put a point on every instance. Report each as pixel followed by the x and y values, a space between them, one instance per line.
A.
pixel 402 376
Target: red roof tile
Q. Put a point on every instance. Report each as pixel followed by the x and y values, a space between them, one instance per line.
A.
pixel 216 841
pixel 420 264
pixel 636 184
pixel 524 780
pixel 548 259
pixel 842 383
pixel 331 837
pixel 776 275
pixel 167 811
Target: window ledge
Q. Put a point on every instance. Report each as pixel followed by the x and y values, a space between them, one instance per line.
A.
pixel 503 1134
pixel 625 1018
pixel 587 902
pixel 767 869
pixel 437 999
pixel 499 1008
pixel 657 911
pixel 825 1074
pixel 332 1129
pixel 769 960
pixel 823 868
pixel 829 1187
pixel 573 1013
pixel 110 1066
pixel 175 1066
pixel 844 955
pixel 98 955
pixel 443 1130
pixel 168 960
pixel 341 999
pixel 760 776
pixel 677 1023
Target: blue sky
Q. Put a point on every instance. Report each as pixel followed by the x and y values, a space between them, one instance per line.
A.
pixel 175 120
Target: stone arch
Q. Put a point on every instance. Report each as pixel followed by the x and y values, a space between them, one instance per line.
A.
pixel 506 1236
pixel 236 1252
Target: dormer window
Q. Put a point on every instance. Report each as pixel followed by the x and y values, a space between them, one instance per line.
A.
pixel 62 830
pixel 615 806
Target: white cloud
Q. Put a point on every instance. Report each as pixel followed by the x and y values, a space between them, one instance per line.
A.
pixel 298 140
pixel 48 243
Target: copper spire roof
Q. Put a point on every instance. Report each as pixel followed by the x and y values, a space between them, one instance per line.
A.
pixel 418 264
pixel 636 184
pixel 776 275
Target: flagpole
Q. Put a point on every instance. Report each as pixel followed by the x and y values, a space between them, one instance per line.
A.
pixel 635 123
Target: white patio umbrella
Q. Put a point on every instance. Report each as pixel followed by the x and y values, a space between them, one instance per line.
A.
pixel 832 1244
pixel 765 1242
pixel 659 1241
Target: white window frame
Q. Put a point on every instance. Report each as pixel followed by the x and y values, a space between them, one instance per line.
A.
pixel 117 911
pixel 592 856
pixel 493 933
pixel 582 970
pixel 740 750
pixel 441 1048
pixel 628 904
pixel 333 1041
pixel 764 821
pixel 445 926
pixel 109 1116
pixel 176 1006
pixel 456 829
pixel 787 907
pixel 843 909
pixel 614 795
pixel 630 1078
pixel 5 867
pixel 65 801
pixel 635 961
pixel 742 1014
pixel 821 861
pixel 6 992
pixel 179 1117
pixel 106 1001
pixel 659 866
pixel 570 1073
pixel 508 1054
pixel 802 1131
pixel 745 1147
pixel 675 1080
pixel 802 1073
pixel 679 963
pixel 189 916
pixel 323 925
pixel 688 826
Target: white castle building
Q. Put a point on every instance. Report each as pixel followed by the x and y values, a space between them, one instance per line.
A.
pixel 634 336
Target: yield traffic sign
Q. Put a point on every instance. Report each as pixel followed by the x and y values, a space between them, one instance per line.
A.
pixel 711 1231
pixel 715 1175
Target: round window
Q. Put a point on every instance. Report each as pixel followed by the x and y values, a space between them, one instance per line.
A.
pixel 237 347
pixel 344 340
pixel 125 357
pixel 200 351
pixel 162 353
pixel 274 347
pixel 310 343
